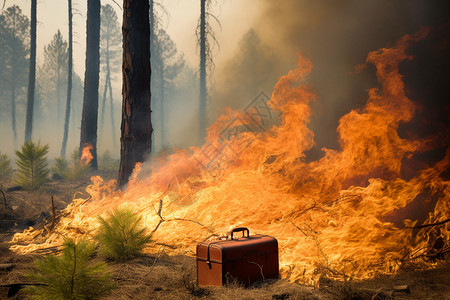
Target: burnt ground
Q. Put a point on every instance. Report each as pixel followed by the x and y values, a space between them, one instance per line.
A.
pixel 162 276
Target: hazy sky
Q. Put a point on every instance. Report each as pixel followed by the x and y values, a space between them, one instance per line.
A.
pixel 236 17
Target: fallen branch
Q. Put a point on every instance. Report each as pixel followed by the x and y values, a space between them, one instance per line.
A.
pixel 427 225
pixel 166 245
pixel 53 249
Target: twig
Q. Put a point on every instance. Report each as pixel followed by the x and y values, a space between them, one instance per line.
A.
pixel 53 249
pixel 162 220
pixel 427 225
pixel 117 4
pixel 260 269
pixel 301 230
pixel 166 245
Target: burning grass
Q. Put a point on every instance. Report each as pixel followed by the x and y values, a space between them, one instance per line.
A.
pixel 332 217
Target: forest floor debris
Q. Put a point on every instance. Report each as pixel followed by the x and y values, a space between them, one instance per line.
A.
pixel 164 276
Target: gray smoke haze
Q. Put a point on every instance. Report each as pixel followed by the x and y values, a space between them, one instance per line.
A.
pixel 336 36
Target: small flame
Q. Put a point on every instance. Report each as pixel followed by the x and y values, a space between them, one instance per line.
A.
pixel 86 154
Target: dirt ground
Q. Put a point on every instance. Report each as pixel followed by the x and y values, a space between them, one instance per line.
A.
pixel 161 276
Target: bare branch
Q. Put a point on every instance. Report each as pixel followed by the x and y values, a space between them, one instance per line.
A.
pixel 117 4
pixel 162 220
pixel 428 225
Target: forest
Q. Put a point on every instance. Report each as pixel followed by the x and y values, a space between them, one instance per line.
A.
pixel 224 149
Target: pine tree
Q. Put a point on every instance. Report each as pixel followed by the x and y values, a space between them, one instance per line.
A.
pixel 121 235
pixel 72 275
pixel 55 68
pixel 14 41
pixel 167 65
pixel 110 59
pixel 32 167
pixel 60 168
pixel 5 165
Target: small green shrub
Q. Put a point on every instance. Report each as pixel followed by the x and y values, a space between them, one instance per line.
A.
pixel 121 235
pixel 32 169
pixel 71 275
pixel 61 167
pixel 5 165
pixel 106 162
pixel 76 168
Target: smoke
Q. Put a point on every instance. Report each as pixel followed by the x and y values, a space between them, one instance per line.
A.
pixel 336 36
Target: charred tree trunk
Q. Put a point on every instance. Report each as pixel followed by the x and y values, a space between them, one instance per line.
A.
pixel 152 54
pixel 89 118
pixel 136 126
pixel 203 92
pixel 32 74
pixel 69 83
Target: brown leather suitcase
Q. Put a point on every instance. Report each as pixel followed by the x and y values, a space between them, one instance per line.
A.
pixel 246 259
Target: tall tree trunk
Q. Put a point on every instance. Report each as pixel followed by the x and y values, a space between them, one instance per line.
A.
pixel 136 129
pixel 152 54
pixel 69 83
pixel 102 114
pixel 203 92
pixel 32 74
pixel 161 101
pixel 89 118
pixel 111 103
pixel 12 81
pixel 13 113
pixel 58 95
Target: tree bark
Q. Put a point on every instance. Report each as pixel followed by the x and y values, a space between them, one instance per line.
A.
pixel 69 82
pixel 89 120
pixel 152 54
pixel 203 91
pixel 136 129
pixel 32 74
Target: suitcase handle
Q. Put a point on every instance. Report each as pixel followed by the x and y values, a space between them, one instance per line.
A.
pixel 239 229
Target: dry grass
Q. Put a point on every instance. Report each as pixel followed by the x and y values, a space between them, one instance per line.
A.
pixel 161 276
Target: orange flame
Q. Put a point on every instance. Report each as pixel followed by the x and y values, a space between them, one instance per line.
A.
pixel 86 154
pixel 330 216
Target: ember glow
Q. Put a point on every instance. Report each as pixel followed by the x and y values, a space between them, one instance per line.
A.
pixel 330 216
pixel 86 154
